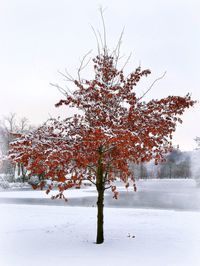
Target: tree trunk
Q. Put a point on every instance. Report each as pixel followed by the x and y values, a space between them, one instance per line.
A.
pixel 170 171
pixel 23 174
pixel 100 205
pixel 18 169
pixel 100 200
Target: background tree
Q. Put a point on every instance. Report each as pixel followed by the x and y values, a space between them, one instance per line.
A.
pixel 177 164
pixel 139 170
pixel 12 127
pixel 197 140
pixel 195 158
pixel 113 126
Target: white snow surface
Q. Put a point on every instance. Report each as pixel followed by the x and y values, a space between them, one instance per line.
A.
pixel 46 235
pixel 70 193
pixel 43 235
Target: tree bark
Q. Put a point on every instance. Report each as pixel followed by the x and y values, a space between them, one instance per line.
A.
pixel 100 220
pixel 100 200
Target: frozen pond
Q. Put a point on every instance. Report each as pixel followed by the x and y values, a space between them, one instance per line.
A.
pixel 182 194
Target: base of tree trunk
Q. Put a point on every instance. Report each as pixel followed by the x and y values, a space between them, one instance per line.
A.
pixel 100 206
pixel 99 242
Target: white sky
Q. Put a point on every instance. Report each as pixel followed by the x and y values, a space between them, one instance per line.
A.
pixel 40 37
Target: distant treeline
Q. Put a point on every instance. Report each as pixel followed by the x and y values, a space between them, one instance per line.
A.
pixel 177 164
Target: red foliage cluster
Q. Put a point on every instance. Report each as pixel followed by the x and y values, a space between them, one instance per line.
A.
pixel 115 127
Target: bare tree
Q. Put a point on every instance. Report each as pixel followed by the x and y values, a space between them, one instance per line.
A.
pixel 10 128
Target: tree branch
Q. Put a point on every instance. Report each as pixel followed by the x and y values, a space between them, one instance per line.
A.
pixel 67 76
pixel 63 91
pixel 97 40
pixel 104 28
pixel 126 62
pixel 159 78
pixel 83 66
pixel 91 168
pixel 108 187
pixel 116 51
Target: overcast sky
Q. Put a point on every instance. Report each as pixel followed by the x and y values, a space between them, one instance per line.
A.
pixel 38 38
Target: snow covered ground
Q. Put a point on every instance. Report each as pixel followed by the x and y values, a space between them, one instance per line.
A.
pixel 33 235
pixel 34 194
pixel 49 235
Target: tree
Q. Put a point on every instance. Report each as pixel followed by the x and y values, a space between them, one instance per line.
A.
pixel 177 164
pixel 140 170
pixel 113 126
pixel 10 129
pixel 197 140
pixel 195 162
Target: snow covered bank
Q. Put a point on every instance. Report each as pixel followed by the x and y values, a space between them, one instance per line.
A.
pixel 33 194
pixel 49 235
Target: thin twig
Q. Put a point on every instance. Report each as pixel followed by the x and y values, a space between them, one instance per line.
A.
pixel 83 66
pixel 126 62
pixel 97 40
pixel 161 77
pixel 104 27
pixel 100 39
pixel 63 91
pixel 67 76
pixel 117 48
pixel 116 53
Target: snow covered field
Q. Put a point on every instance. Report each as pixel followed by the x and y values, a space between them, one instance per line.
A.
pixel 33 235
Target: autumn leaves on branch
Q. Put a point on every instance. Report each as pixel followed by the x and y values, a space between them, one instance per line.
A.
pixel 111 118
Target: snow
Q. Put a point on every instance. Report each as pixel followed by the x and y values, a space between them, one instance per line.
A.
pixel 44 235
pixel 71 193
pixel 40 235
